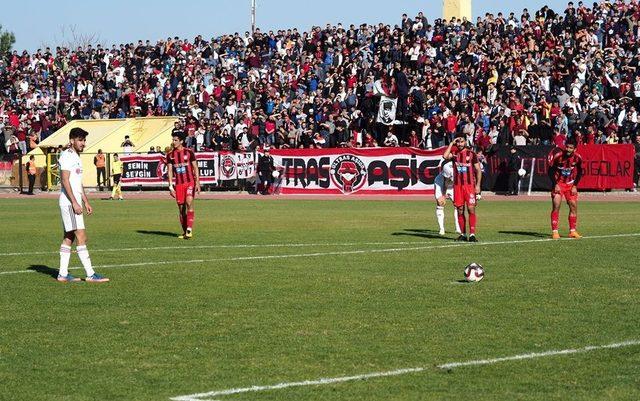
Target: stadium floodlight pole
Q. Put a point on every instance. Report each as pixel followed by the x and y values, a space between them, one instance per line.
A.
pixel 253 16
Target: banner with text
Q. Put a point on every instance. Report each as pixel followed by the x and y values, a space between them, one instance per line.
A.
pixel 402 171
pixel 605 167
pixel 151 170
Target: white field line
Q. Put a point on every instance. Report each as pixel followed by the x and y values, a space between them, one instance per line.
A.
pixel 281 245
pixel 447 366
pixel 335 253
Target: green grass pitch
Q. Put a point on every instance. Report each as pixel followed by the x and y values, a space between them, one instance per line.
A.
pixel 368 286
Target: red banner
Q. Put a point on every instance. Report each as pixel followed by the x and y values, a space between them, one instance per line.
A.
pixel 362 171
pixel 607 166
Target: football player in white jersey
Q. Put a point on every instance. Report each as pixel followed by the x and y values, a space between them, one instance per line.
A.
pixel 444 189
pixel 72 203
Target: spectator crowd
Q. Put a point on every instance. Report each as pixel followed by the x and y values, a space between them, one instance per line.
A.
pixel 539 77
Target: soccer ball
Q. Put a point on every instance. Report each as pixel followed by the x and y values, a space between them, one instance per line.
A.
pixel 522 172
pixel 473 272
pixel 275 174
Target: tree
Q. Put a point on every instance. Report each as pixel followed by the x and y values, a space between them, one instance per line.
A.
pixel 7 39
pixel 71 38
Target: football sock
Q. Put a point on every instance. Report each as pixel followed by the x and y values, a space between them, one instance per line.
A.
pixel 462 223
pixel 573 222
pixel 190 217
pixel 65 255
pixel 554 220
pixel 83 253
pixel 455 218
pixel 472 223
pixel 440 217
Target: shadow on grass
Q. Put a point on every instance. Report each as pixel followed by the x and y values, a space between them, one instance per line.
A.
pixel 158 233
pixel 46 270
pixel 421 233
pixel 525 233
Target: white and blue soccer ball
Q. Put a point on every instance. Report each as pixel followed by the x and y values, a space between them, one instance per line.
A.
pixel 522 172
pixel 473 272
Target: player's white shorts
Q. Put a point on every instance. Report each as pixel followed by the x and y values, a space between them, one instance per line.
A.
pixel 70 220
pixel 441 188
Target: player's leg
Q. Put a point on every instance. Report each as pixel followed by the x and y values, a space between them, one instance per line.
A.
pixel 69 227
pixel 458 202
pixel 440 202
pixel 455 210
pixel 462 222
pixel 83 254
pixel 182 215
pixel 471 210
pixel 573 218
pixel 190 216
pixel 181 200
pixel 65 255
pixel 556 201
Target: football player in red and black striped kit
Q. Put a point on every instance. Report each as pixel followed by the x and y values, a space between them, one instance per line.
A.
pixel 467 176
pixel 565 171
pixel 184 167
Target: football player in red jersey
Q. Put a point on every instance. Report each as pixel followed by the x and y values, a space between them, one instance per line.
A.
pixel 467 176
pixel 565 171
pixel 184 167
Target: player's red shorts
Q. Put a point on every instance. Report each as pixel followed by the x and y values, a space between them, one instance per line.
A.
pixel 183 191
pixel 565 191
pixel 465 194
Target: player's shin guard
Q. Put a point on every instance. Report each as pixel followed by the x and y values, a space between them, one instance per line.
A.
pixel 65 255
pixel 83 253
pixel 440 217
pixel 573 222
pixel 472 223
pixel 190 218
pixel 462 222
pixel 555 216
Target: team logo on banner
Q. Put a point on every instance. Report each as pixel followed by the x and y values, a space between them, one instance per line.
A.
pixel 228 166
pixel 348 173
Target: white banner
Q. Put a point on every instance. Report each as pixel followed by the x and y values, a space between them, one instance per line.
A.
pixel 387 110
pixel 246 165
pixel 228 166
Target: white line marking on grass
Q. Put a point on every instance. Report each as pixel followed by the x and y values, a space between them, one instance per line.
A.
pixel 282 245
pixel 335 253
pixel 534 355
pixel 447 366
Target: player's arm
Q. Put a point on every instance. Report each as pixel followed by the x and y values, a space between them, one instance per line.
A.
pixel 85 200
pixel 64 178
pixel 579 174
pixel 172 190
pixel 196 173
pixel 448 154
pixel 478 168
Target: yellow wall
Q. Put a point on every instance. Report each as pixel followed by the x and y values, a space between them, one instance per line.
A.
pixel 108 135
pixel 457 9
